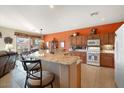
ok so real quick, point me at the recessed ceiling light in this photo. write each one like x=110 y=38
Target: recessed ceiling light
x=94 y=14
x=51 y=6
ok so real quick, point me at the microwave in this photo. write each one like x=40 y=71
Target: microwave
x=94 y=42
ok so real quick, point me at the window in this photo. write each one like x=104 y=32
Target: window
x=22 y=44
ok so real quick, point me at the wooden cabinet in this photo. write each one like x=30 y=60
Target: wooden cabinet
x=104 y=39
x=74 y=53
x=78 y=41
x=108 y=38
x=94 y=36
x=84 y=41
x=73 y=41
x=107 y=60
x=82 y=55
x=111 y=38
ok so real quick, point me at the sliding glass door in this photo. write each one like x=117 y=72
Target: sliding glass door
x=27 y=44
x=23 y=44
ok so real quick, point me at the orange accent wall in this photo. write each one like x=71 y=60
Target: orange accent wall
x=64 y=36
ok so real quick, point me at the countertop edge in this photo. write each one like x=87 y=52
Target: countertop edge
x=63 y=63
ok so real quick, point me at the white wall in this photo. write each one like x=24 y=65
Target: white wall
x=5 y=33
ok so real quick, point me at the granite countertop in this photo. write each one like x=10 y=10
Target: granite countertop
x=60 y=58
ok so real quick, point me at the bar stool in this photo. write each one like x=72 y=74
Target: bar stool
x=39 y=79
x=33 y=66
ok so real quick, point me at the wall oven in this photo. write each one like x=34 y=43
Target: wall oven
x=93 y=42
x=93 y=52
x=93 y=56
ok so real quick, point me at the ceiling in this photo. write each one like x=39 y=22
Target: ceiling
x=32 y=18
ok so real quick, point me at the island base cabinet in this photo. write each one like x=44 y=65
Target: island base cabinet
x=70 y=76
x=53 y=68
x=66 y=76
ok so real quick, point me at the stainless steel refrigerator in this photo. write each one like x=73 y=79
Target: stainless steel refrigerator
x=119 y=57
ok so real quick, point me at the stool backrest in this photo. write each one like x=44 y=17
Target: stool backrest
x=29 y=74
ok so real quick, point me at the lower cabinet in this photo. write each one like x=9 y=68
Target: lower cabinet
x=82 y=55
x=107 y=60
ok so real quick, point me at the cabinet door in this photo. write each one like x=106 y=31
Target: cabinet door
x=107 y=60
x=70 y=41
x=83 y=57
x=84 y=40
x=93 y=36
x=73 y=41
x=111 y=38
x=104 y=39
x=108 y=38
x=79 y=41
x=96 y=36
x=90 y=37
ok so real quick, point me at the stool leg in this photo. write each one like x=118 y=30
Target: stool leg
x=26 y=81
x=51 y=85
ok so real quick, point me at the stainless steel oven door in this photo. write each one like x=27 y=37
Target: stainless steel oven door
x=93 y=58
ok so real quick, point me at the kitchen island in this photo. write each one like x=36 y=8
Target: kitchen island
x=67 y=69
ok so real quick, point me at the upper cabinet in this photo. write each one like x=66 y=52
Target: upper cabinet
x=107 y=39
x=73 y=41
x=104 y=39
x=78 y=41
x=84 y=41
x=111 y=38
x=94 y=36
